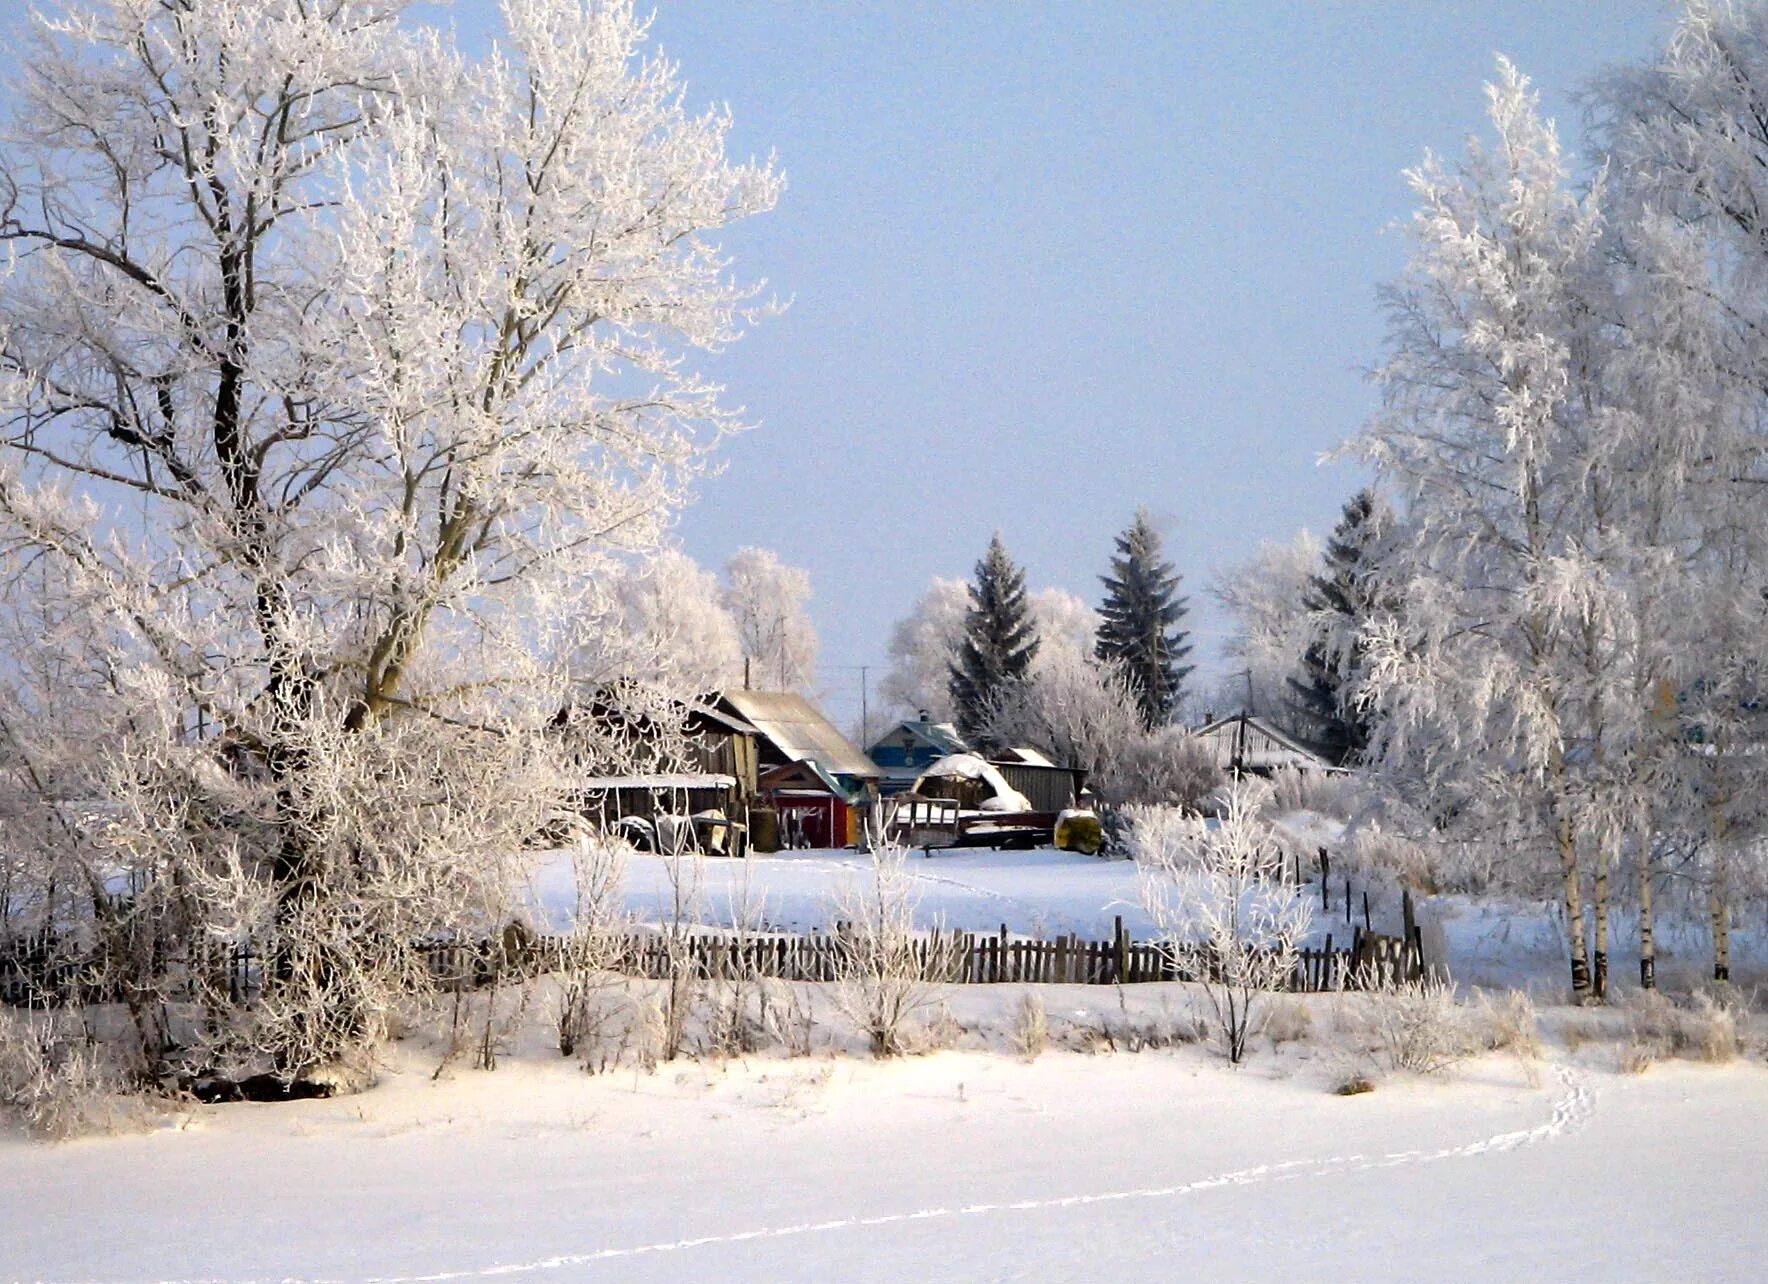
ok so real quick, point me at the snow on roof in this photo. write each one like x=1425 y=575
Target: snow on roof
x=680 y=781
x=967 y=766
x=1025 y=756
x=718 y=717
x=942 y=736
x=800 y=732
x=1288 y=751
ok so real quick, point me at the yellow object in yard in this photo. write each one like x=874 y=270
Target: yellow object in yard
x=1079 y=831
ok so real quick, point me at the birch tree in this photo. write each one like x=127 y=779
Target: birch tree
x=1492 y=433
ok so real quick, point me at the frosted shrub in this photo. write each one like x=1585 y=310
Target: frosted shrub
x=1031 y=1027
x=886 y=974
x=1509 y=1023
x=1417 y=1027
x=1703 y=1029
x=585 y=959
x=54 y=1079
x=1220 y=899
x=1295 y=790
x=1164 y=767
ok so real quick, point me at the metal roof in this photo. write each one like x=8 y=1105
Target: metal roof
x=799 y=731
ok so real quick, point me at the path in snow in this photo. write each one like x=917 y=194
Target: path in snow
x=1571 y=1111
x=959 y=1167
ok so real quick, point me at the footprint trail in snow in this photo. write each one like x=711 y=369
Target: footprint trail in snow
x=1571 y=1111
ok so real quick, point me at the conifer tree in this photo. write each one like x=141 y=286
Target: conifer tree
x=1138 y=629
x=1339 y=598
x=998 y=644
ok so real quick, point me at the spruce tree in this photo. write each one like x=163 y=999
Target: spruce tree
x=1341 y=597
x=998 y=644
x=1138 y=629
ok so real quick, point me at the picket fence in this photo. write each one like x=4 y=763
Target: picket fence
x=35 y=972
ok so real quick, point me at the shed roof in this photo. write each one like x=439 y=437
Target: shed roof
x=800 y=731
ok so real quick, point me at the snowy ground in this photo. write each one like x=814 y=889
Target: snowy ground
x=1040 y=892
x=963 y=1165
x=958 y=1166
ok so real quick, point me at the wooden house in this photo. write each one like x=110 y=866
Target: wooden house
x=819 y=786
x=909 y=748
x=1047 y=785
x=695 y=777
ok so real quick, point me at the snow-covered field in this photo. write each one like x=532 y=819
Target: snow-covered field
x=959 y=1166
x=963 y=1165
x=1040 y=892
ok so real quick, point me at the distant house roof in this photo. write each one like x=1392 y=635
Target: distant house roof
x=940 y=736
x=799 y=732
x=1266 y=748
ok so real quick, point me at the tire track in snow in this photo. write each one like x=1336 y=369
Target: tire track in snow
x=1572 y=1110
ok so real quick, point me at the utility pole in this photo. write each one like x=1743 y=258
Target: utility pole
x=865 y=716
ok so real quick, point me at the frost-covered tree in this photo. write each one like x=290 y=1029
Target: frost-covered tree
x=336 y=371
x=1270 y=627
x=1139 y=625
x=675 y=630
x=999 y=641
x=1490 y=673
x=923 y=648
x=1079 y=710
x=1339 y=599
x=770 y=603
x=1062 y=621
x=1225 y=908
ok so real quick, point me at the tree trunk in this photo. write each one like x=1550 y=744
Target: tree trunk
x=1605 y=845
x=1647 y=924
x=1573 y=892
x=1721 y=910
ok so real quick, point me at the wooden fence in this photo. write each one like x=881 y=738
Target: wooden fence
x=33 y=973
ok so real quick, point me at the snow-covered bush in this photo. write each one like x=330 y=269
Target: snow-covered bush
x=582 y=1002
x=887 y=972
x=1415 y=1027
x=1702 y=1028
x=1218 y=894
x=1031 y=1026
x=1165 y=767
x=56 y=1080
x=1509 y=1023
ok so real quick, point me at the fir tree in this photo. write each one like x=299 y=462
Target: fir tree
x=998 y=644
x=1138 y=629
x=1340 y=597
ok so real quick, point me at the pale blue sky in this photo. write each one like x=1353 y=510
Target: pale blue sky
x=1052 y=261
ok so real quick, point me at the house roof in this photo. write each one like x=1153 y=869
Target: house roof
x=718 y=717
x=942 y=736
x=1288 y=750
x=799 y=731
